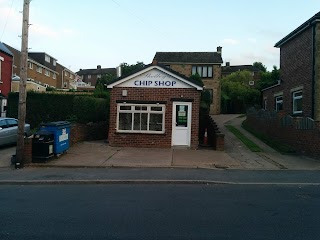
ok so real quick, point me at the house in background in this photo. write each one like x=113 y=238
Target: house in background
x=298 y=92
x=66 y=77
x=91 y=76
x=228 y=69
x=6 y=62
x=206 y=64
x=43 y=71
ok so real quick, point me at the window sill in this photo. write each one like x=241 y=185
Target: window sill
x=298 y=114
x=141 y=133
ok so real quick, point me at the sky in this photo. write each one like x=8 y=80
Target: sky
x=84 y=34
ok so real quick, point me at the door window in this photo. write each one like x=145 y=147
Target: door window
x=181 y=115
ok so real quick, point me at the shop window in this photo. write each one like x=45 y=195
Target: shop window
x=279 y=103
x=203 y=71
x=137 y=118
x=297 y=102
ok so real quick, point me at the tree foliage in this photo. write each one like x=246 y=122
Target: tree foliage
x=268 y=79
x=127 y=69
x=236 y=89
x=260 y=66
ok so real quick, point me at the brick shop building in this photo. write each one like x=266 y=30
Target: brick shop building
x=154 y=107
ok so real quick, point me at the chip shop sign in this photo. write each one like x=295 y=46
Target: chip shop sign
x=154 y=79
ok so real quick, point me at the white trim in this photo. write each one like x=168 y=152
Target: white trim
x=150 y=68
x=40 y=65
x=148 y=111
x=294 y=99
x=296 y=89
x=1 y=58
x=278 y=94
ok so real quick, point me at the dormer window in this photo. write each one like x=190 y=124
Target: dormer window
x=47 y=58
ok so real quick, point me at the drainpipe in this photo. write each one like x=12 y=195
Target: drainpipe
x=313 y=70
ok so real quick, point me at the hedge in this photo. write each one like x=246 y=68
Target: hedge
x=48 y=107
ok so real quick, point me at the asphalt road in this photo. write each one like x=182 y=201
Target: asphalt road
x=159 y=212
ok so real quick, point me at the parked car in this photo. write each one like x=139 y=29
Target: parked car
x=9 y=130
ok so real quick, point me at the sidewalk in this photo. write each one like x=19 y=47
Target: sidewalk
x=98 y=154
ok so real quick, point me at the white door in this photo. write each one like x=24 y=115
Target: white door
x=181 y=123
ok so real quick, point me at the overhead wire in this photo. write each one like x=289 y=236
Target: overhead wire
x=5 y=25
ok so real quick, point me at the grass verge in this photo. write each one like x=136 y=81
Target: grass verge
x=280 y=147
x=251 y=145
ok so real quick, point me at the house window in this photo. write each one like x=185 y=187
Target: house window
x=30 y=64
x=39 y=69
x=140 y=118
x=99 y=76
x=54 y=76
x=47 y=73
x=66 y=74
x=297 y=102
x=54 y=62
x=89 y=76
x=71 y=76
x=265 y=103
x=47 y=58
x=203 y=71
x=279 y=103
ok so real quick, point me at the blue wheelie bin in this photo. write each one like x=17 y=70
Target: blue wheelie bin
x=61 y=132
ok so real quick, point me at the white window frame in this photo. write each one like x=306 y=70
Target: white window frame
x=39 y=69
x=294 y=101
x=148 y=111
x=265 y=103
x=71 y=76
x=47 y=73
x=278 y=100
x=54 y=62
x=54 y=76
x=89 y=76
x=65 y=74
x=47 y=58
x=30 y=65
x=200 y=70
x=99 y=76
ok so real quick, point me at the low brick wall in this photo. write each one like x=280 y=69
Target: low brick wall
x=215 y=137
x=302 y=134
x=88 y=132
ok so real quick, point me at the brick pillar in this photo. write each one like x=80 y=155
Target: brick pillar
x=27 y=155
x=219 y=142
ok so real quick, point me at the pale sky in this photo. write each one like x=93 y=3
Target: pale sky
x=84 y=34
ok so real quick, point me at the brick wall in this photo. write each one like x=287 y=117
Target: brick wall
x=6 y=73
x=317 y=72
x=296 y=59
x=152 y=94
x=305 y=141
x=88 y=132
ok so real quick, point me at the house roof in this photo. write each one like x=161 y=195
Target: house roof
x=188 y=57
x=305 y=25
x=5 y=50
x=235 y=68
x=181 y=76
x=97 y=71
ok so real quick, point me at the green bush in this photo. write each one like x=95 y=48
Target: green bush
x=48 y=107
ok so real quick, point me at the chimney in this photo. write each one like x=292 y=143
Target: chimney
x=99 y=67
x=227 y=64
x=118 y=70
x=219 y=50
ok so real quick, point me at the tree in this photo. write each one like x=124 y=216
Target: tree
x=268 y=79
x=127 y=69
x=237 y=94
x=101 y=86
x=259 y=65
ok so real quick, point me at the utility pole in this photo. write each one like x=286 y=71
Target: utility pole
x=22 y=84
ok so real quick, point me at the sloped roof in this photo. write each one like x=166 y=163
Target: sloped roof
x=188 y=57
x=235 y=68
x=97 y=71
x=4 y=49
x=299 y=29
x=194 y=82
